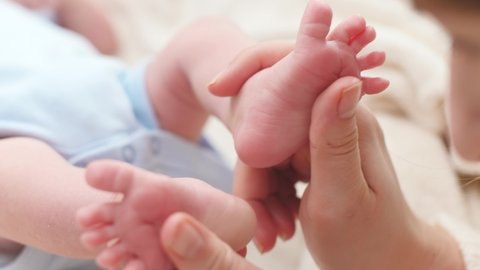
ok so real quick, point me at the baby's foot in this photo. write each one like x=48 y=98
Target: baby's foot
x=271 y=116
x=130 y=227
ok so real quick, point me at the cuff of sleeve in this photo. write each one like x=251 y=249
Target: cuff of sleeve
x=136 y=89
x=468 y=240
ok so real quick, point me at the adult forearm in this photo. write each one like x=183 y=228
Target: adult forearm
x=39 y=194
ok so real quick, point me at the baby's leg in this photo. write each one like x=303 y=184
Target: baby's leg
x=178 y=77
x=272 y=111
x=131 y=227
x=270 y=117
x=82 y=16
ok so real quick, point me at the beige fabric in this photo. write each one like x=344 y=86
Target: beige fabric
x=411 y=111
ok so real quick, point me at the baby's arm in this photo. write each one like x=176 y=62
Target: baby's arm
x=178 y=77
x=39 y=195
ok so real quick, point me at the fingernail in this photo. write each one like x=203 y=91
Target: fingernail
x=349 y=101
x=187 y=241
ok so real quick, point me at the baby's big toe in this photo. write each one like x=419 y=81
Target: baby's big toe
x=316 y=21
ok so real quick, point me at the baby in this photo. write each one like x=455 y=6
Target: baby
x=273 y=108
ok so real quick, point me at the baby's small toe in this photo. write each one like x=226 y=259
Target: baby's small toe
x=92 y=215
x=113 y=176
x=95 y=238
x=316 y=21
x=362 y=40
x=135 y=264
x=113 y=256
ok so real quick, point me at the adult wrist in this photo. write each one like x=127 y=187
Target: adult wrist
x=447 y=253
x=434 y=249
x=428 y=247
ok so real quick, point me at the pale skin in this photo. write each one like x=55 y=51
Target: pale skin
x=354 y=204
x=251 y=117
x=430 y=247
x=341 y=205
x=177 y=85
x=55 y=230
x=148 y=199
x=271 y=191
x=254 y=116
x=353 y=213
x=305 y=73
x=190 y=245
x=77 y=16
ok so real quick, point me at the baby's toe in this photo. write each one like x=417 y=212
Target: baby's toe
x=136 y=264
x=315 y=22
x=93 y=215
x=359 y=42
x=98 y=237
x=348 y=30
x=113 y=256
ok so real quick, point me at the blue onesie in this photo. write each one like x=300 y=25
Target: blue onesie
x=55 y=87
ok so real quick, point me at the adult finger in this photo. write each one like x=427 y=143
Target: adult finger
x=335 y=156
x=255 y=186
x=248 y=62
x=191 y=246
x=347 y=151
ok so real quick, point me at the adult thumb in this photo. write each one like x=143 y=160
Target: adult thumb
x=191 y=246
x=250 y=61
x=334 y=142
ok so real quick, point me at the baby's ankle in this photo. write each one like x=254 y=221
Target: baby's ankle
x=173 y=101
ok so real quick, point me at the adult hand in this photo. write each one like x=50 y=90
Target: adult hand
x=191 y=246
x=248 y=62
x=272 y=195
x=353 y=213
x=271 y=191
